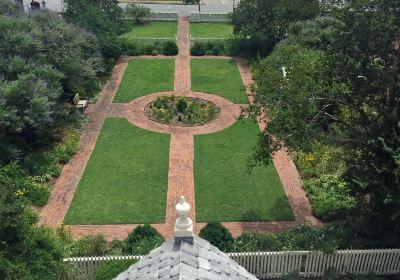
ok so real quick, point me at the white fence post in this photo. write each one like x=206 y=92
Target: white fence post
x=268 y=265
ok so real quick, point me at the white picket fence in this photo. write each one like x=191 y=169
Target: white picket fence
x=214 y=17
x=85 y=268
x=162 y=16
x=267 y=265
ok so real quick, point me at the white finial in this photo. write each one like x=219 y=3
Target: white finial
x=183 y=224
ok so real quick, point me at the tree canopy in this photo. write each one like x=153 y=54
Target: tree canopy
x=102 y=17
x=266 y=22
x=44 y=62
x=342 y=90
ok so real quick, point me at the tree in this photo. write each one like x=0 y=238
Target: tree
x=348 y=97
x=138 y=13
x=266 y=22
x=73 y=51
x=315 y=34
x=102 y=17
x=193 y=2
x=43 y=62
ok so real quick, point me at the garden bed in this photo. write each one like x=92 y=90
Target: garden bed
x=181 y=110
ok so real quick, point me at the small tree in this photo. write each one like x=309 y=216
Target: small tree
x=192 y=2
x=138 y=13
x=217 y=235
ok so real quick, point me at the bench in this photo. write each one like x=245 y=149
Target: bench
x=79 y=102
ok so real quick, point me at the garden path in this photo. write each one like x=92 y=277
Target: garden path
x=180 y=176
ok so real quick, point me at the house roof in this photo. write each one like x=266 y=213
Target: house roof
x=186 y=259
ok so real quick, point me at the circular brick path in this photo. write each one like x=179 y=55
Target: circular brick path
x=135 y=113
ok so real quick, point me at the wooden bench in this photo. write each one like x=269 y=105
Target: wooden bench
x=79 y=102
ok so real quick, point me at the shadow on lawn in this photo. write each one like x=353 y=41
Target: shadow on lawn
x=281 y=211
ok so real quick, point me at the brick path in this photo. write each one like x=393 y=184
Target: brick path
x=182 y=62
x=63 y=191
x=180 y=176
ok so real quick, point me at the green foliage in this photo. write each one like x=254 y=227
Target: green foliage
x=294 y=114
x=316 y=34
x=320 y=160
x=79 y=58
x=347 y=97
x=91 y=245
x=182 y=110
x=45 y=165
x=142 y=240
x=302 y=237
x=141 y=47
x=102 y=17
x=266 y=22
x=27 y=252
x=198 y=49
x=217 y=235
x=210 y=48
x=294 y=275
x=330 y=197
x=138 y=13
x=170 y=48
x=255 y=241
x=44 y=61
x=67 y=148
x=38 y=193
x=111 y=269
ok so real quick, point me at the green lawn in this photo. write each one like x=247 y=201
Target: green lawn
x=152 y=30
x=220 y=77
x=225 y=192
x=144 y=76
x=125 y=180
x=211 y=30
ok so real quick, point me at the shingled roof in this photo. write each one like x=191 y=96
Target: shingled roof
x=185 y=261
x=187 y=257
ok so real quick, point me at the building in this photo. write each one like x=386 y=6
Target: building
x=186 y=257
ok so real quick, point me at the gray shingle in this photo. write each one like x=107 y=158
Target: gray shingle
x=185 y=261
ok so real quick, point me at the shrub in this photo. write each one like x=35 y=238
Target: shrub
x=170 y=48
x=111 y=269
x=38 y=193
x=330 y=197
x=255 y=241
x=42 y=164
x=67 y=148
x=181 y=105
x=92 y=245
x=198 y=49
x=138 y=13
x=142 y=240
x=116 y=247
x=217 y=235
x=321 y=160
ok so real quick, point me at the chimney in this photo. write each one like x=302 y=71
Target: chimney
x=183 y=224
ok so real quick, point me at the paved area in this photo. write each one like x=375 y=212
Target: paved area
x=180 y=176
x=209 y=6
x=182 y=62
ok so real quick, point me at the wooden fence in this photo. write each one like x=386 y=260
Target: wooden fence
x=215 y=17
x=267 y=265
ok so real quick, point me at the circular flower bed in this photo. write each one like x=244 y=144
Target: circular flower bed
x=181 y=110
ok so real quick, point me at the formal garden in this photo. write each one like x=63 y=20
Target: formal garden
x=283 y=125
